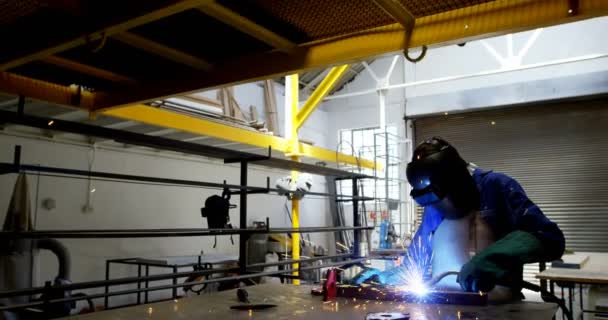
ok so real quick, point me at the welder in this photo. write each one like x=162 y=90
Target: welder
x=478 y=223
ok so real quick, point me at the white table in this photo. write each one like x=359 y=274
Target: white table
x=594 y=272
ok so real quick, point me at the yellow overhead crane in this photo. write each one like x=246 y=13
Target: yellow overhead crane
x=320 y=39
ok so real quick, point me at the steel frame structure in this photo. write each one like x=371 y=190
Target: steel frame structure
x=455 y=26
x=242 y=189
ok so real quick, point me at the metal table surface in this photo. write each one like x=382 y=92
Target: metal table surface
x=296 y=302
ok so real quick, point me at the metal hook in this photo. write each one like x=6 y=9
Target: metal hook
x=417 y=59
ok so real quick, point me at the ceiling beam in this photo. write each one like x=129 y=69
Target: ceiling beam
x=71 y=96
x=452 y=27
x=394 y=9
x=88 y=70
x=171 y=9
x=168 y=119
x=315 y=80
x=75 y=115
x=237 y=21
x=162 y=50
x=319 y=94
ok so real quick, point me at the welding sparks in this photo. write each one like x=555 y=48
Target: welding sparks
x=416 y=264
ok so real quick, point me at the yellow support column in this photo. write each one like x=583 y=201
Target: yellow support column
x=295 y=204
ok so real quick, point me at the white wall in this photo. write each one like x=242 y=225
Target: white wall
x=137 y=206
x=552 y=82
x=314 y=129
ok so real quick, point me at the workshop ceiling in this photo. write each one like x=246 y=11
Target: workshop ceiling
x=100 y=54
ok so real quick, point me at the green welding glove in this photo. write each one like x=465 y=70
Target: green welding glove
x=501 y=263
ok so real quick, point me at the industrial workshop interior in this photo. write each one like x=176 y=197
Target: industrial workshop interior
x=304 y=159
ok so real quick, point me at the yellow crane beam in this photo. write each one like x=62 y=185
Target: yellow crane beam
x=168 y=119
x=70 y=96
x=334 y=75
x=451 y=27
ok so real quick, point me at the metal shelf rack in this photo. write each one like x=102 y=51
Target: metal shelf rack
x=242 y=189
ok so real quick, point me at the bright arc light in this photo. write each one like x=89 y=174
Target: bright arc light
x=418 y=288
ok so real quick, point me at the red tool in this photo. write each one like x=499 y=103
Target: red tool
x=330 y=286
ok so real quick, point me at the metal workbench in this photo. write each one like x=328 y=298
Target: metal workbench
x=174 y=263
x=296 y=302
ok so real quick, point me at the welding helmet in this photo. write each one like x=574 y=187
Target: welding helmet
x=437 y=171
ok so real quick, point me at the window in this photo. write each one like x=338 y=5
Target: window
x=374 y=143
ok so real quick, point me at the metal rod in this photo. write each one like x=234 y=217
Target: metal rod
x=243 y=220
x=467 y=76
x=152 y=233
x=147 y=284
x=175 y=282
x=138 y=283
x=165 y=287
x=356 y=221
x=107 y=288
x=157 y=277
x=126 y=177
x=21 y=105
x=581 y=301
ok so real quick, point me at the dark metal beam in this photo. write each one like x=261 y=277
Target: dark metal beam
x=168 y=10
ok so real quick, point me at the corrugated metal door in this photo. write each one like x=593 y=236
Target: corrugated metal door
x=558 y=152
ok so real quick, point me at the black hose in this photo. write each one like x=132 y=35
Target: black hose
x=62 y=253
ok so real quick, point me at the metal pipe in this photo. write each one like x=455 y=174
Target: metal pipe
x=467 y=76
x=62 y=254
x=152 y=233
x=243 y=220
x=127 y=177
x=356 y=221
x=157 y=277
x=165 y=287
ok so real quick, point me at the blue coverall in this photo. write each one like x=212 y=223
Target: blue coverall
x=505 y=207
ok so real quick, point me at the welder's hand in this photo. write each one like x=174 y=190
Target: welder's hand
x=501 y=263
x=365 y=276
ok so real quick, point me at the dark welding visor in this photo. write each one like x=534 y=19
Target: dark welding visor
x=430 y=176
x=426 y=196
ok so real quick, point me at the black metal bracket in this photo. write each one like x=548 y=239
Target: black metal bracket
x=15 y=167
x=250 y=158
x=250 y=190
x=573 y=7
x=21 y=105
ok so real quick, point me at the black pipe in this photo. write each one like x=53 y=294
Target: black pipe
x=62 y=254
x=165 y=287
x=356 y=220
x=155 y=233
x=16 y=167
x=243 y=220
